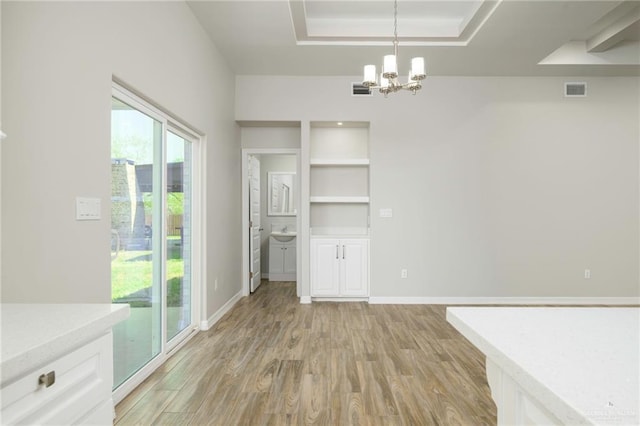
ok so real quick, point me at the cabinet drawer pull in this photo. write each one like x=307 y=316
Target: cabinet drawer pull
x=343 y=251
x=337 y=250
x=47 y=379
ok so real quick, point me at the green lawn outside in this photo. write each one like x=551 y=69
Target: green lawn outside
x=131 y=273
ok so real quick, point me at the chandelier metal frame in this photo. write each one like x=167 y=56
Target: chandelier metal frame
x=389 y=82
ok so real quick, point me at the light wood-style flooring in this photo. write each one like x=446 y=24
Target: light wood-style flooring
x=273 y=361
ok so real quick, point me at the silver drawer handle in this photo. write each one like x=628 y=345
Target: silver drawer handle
x=47 y=379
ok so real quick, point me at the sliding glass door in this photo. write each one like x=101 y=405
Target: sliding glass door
x=179 y=247
x=151 y=229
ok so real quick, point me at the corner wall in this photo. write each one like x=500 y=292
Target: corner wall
x=500 y=187
x=58 y=61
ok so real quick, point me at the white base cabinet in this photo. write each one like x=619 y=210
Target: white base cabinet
x=80 y=391
x=339 y=267
x=57 y=363
x=282 y=260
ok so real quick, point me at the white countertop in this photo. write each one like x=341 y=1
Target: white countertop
x=582 y=364
x=34 y=334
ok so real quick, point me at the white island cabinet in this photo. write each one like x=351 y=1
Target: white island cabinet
x=57 y=363
x=558 y=366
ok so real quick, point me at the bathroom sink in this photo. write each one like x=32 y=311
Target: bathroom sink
x=283 y=237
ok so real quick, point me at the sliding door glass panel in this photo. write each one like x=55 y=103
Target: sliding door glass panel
x=178 y=213
x=136 y=246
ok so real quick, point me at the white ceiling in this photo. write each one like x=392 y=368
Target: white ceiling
x=456 y=37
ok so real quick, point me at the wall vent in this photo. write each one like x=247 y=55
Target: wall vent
x=358 y=89
x=575 y=90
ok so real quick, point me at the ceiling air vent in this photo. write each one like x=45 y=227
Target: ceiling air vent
x=575 y=90
x=359 y=89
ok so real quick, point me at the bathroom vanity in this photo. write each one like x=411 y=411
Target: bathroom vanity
x=57 y=363
x=282 y=256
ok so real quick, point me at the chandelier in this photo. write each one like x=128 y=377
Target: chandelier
x=389 y=82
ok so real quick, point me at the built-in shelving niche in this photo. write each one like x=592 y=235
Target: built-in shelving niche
x=339 y=178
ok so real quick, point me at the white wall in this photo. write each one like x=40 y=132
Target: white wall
x=58 y=60
x=500 y=187
x=261 y=137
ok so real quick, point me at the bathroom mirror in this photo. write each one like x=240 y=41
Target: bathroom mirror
x=281 y=193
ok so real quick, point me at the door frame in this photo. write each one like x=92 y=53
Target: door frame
x=125 y=93
x=246 y=152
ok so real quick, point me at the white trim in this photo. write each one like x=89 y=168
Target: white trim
x=305 y=300
x=339 y=299
x=339 y=199
x=206 y=325
x=282 y=277
x=505 y=300
x=171 y=123
x=322 y=162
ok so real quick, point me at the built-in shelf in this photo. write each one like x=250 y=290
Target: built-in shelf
x=341 y=199
x=339 y=179
x=339 y=162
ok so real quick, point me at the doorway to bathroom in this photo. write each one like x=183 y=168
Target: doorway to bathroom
x=270 y=209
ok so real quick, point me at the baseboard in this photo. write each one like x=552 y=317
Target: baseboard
x=305 y=300
x=505 y=300
x=206 y=325
x=281 y=277
x=340 y=299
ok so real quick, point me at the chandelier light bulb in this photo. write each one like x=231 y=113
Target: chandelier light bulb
x=417 y=69
x=390 y=67
x=384 y=82
x=369 y=75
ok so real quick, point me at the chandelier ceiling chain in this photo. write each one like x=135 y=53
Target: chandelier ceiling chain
x=389 y=77
x=395 y=21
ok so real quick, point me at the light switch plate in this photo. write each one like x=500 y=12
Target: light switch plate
x=87 y=208
x=386 y=212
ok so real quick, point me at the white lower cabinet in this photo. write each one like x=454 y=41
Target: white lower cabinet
x=339 y=267
x=78 y=390
x=282 y=260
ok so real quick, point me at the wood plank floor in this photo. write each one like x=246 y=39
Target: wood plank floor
x=273 y=361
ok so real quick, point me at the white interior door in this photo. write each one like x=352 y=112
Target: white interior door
x=254 y=221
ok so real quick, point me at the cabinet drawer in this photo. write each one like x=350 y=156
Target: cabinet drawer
x=83 y=380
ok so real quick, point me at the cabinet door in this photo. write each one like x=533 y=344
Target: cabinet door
x=276 y=253
x=354 y=267
x=289 y=258
x=324 y=267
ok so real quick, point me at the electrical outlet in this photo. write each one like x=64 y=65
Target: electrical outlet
x=587 y=274
x=403 y=273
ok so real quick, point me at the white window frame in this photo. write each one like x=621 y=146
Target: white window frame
x=170 y=123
